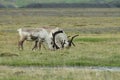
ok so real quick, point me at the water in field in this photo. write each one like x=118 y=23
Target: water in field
x=64 y=73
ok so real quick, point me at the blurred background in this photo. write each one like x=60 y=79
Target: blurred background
x=59 y=3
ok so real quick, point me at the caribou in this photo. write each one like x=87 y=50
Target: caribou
x=61 y=40
x=34 y=34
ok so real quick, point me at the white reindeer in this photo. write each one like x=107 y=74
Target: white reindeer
x=60 y=39
x=34 y=34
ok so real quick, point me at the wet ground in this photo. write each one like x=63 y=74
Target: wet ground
x=96 y=68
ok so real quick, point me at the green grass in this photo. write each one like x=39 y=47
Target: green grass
x=95 y=39
x=88 y=52
x=98 y=44
x=92 y=49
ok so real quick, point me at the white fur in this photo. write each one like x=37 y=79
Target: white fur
x=60 y=38
x=41 y=33
x=45 y=36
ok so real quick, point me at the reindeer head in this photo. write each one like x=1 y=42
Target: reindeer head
x=64 y=42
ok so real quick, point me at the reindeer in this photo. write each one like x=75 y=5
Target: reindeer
x=60 y=39
x=34 y=34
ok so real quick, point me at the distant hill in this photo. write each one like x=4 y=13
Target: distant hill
x=58 y=3
x=2 y=6
x=71 y=5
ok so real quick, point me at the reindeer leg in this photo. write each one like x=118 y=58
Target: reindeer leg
x=62 y=43
x=44 y=46
x=20 y=44
x=40 y=45
x=35 y=46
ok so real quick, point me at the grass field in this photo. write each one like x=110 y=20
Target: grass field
x=98 y=43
